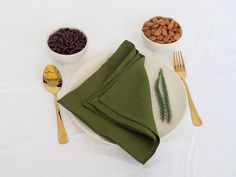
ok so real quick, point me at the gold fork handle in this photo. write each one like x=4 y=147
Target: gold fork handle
x=195 y=116
x=62 y=135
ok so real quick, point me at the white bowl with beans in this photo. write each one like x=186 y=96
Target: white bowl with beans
x=69 y=46
x=162 y=34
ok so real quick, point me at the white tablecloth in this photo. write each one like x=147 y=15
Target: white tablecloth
x=28 y=143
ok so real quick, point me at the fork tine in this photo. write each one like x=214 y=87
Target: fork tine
x=179 y=60
x=182 y=59
x=174 y=60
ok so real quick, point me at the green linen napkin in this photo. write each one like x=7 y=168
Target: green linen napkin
x=116 y=103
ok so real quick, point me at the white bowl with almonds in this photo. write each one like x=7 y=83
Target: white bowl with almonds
x=162 y=33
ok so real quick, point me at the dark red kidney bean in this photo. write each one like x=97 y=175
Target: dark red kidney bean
x=67 y=43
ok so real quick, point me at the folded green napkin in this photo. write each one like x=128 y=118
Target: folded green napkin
x=116 y=103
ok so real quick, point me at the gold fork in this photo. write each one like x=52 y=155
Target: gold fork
x=179 y=67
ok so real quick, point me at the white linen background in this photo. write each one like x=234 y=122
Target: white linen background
x=28 y=144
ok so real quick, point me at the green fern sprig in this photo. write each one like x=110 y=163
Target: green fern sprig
x=167 y=106
x=159 y=97
x=163 y=99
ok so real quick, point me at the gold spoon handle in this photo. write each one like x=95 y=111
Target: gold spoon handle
x=195 y=116
x=62 y=135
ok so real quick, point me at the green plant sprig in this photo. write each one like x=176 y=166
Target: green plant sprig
x=159 y=98
x=163 y=99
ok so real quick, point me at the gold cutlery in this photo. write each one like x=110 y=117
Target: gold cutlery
x=52 y=82
x=179 y=68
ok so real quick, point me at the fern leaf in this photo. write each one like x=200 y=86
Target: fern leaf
x=159 y=97
x=166 y=99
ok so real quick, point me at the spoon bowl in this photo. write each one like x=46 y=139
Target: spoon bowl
x=52 y=79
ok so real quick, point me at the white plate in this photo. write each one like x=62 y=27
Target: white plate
x=176 y=92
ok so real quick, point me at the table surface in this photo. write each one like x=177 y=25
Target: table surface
x=28 y=144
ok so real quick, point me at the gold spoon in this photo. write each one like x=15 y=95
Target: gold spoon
x=52 y=81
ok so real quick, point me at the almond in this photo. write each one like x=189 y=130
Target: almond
x=172 y=38
x=175 y=29
x=158 y=21
x=158 y=32
x=148 y=23
x=164 y=32
x=166 y=38
x=167 y=21
x=176 y=36
x=163 y=23
x=170 y=26
x=171 y=33
x=159 y=38
x=154 y=19
x=145 y=28
x=155 y=26
x=153 y=38
x=176 y=24
x=170 y=41
x=160 y=42
x=153 y=32
x=147 y=33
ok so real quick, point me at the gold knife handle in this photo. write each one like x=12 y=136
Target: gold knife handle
x=195 y=116
x=62 y=135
